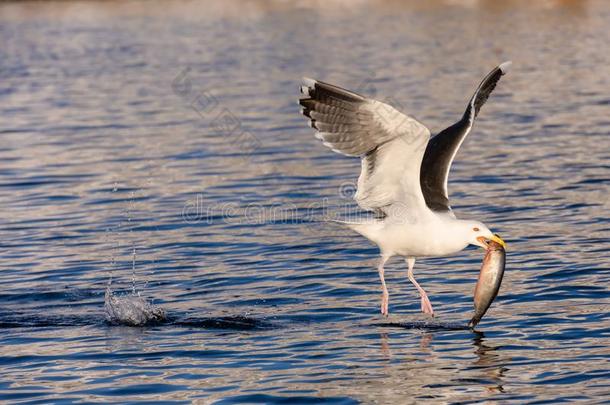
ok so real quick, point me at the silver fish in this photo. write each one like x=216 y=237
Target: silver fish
x=490 y=278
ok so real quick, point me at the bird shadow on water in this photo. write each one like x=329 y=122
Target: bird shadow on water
x=426 y=325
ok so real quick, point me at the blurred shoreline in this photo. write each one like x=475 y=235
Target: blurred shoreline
x=252 y=8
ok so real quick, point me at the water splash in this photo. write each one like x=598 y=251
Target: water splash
x=131 y=309
x=133 y=271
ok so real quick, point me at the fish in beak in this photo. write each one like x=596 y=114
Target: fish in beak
x=495 y=238
x=490 y=278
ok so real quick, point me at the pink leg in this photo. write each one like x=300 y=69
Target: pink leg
x=426 y=306
x=385 y=296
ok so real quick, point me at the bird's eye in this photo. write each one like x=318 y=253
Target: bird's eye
x=475 y=229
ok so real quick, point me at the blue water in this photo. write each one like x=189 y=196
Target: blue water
x=172 y=128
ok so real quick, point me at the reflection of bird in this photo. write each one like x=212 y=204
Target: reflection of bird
x=490 y=362
x=404 y=173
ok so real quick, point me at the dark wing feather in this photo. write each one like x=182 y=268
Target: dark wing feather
x=442 y=148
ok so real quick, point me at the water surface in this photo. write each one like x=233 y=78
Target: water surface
x=172 y=128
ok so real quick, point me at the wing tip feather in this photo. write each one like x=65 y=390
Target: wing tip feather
x=309 y=82
x=505 y=67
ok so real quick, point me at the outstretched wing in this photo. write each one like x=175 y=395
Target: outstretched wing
x=442 y=148
x=390 y=144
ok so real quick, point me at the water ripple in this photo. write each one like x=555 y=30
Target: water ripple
x=172 y=129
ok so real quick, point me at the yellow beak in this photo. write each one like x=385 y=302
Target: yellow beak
x=496 y=238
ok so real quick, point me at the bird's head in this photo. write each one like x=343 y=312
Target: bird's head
x=480 y=235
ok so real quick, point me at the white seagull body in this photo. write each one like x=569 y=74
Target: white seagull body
x=404 y=173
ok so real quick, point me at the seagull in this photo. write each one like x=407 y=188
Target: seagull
x=404 y=173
